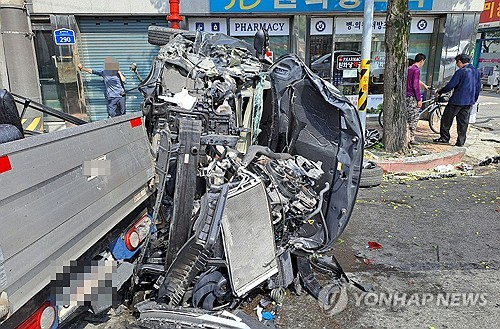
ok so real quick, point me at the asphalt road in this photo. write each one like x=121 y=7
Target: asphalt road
x=440 y=246
x=439 y=257
x=488 y=115
x=438 y=237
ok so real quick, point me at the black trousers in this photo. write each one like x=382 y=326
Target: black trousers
x=462 y=112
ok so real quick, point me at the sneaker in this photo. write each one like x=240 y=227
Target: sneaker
x=440 y=141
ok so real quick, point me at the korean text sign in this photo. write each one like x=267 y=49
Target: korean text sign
x=491 y=11
x=273 y=6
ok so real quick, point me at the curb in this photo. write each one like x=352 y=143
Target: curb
x=424 y=162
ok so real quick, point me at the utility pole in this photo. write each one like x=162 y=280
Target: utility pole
x=18 y=67
x=366 y=49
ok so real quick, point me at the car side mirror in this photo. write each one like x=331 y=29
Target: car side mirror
x=133 y=68
x=261 y=43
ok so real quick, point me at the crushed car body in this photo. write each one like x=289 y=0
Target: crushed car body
x=258 y=167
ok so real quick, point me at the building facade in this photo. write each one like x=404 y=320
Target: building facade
x=313 y=29
x=487 y=54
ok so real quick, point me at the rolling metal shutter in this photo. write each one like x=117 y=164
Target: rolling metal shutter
x=124 y=39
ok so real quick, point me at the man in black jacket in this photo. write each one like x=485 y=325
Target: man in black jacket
x=466 y=84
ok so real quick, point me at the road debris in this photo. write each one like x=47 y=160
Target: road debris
x=490 y=160
x=374 y=245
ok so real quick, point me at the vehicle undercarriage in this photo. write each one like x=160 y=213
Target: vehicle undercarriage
x=258 y=167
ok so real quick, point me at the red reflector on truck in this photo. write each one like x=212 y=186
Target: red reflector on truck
x=45 y=317
x=5 y=164
x=136 y=122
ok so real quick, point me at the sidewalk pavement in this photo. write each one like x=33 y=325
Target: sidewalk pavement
x=426 y=155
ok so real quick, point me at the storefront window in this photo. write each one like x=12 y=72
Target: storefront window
x=489 y=57
x=420 y=43
x=278 y=28
x=45 y=54
x=343 y=69
x=343 y=65
x=277 y=44
x=57 y=72
x=320 y=45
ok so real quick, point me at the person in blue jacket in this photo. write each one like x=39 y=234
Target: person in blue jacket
x=114 y=82
x=466 y=84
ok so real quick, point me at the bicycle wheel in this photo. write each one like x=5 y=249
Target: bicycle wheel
x=381 y=118
x=435 y=118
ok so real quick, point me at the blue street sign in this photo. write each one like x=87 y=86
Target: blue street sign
x=64 y=37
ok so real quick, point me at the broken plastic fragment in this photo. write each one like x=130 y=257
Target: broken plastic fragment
x=489 y=160
x=182 y=98
x=444 y=168
x=259 y=312
x=267 y=315
x=374 y=245
x=368 y=261
x=225 y=108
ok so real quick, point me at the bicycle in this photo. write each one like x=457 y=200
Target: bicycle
x=435 y=108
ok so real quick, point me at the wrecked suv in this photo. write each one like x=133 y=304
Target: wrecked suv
x=258 y=167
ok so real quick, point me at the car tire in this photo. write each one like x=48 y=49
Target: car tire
x=160 y=36
x=371 y=175
x=9 y=133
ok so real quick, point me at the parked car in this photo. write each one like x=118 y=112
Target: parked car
x=323 y=66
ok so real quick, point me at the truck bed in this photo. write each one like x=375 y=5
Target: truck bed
x=51 y=212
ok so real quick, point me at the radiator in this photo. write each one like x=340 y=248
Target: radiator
x=249 y=238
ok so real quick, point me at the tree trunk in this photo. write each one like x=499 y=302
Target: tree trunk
x=396 y=52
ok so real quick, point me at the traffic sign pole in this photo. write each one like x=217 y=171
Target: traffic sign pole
x=366 y=47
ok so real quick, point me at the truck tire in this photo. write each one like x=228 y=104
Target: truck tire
x=371 y=175
x=9 y=133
